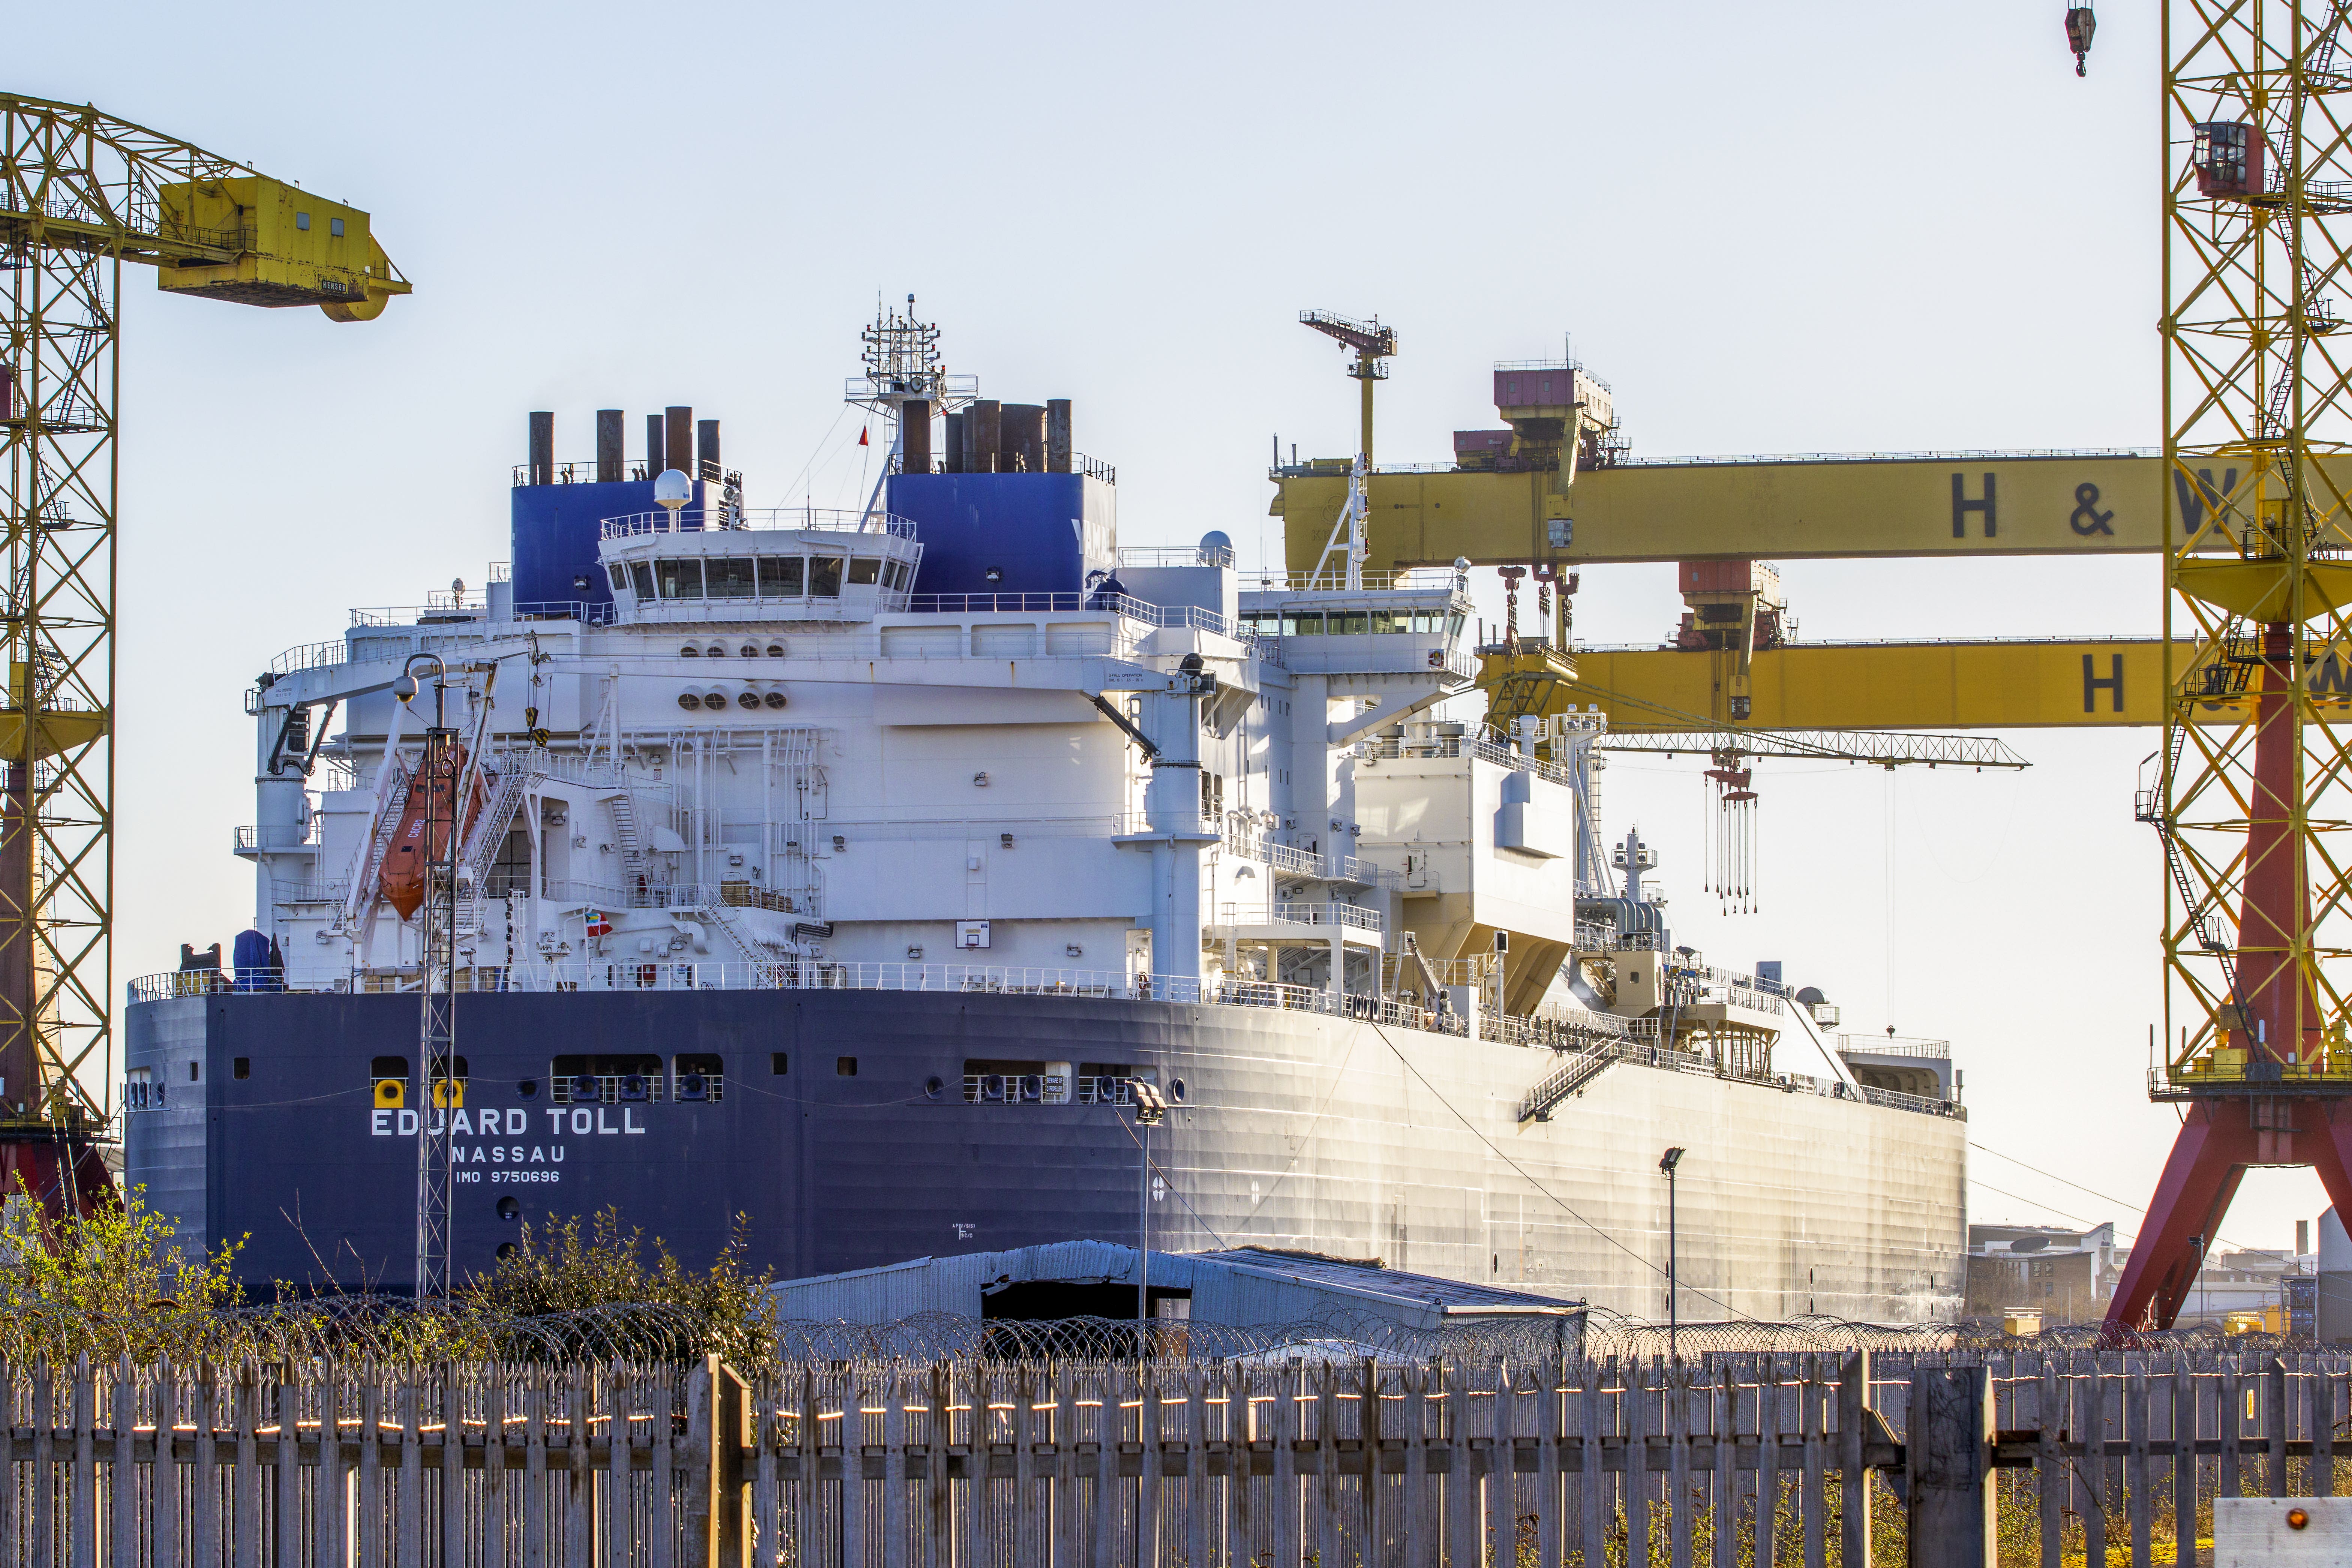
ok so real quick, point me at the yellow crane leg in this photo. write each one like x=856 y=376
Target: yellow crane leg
x=1907 y=686
x=1764 y=510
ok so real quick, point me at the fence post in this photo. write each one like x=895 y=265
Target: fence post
x=716 y=1532
x=1854 y=1401
x=1947 y=1450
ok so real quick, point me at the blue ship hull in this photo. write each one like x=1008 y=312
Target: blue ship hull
x=841 y=1135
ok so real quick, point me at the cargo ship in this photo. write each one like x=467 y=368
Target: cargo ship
x=850 y=877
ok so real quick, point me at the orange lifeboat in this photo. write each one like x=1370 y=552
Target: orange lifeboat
x=422 y=837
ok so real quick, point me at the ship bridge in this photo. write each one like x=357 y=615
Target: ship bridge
x=798 y=563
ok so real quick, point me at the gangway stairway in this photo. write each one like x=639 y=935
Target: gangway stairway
x=1580 y=1069
x=625 y=829
x=489 y=834
x=361 y=893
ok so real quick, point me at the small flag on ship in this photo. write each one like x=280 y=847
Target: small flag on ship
x=597 y=924
x=862 y=440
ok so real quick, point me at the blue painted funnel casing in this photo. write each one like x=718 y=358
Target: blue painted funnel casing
x=555 y=530
x=1042 y=532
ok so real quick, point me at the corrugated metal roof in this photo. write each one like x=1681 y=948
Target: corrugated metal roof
x=1243 y=1287
x=1452 y=1295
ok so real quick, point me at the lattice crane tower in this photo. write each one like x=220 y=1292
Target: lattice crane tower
x=81 y=194
x=2254 y=815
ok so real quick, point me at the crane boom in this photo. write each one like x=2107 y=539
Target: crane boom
x=1829 y=506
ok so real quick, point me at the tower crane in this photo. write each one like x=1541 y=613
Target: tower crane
x=82 y=193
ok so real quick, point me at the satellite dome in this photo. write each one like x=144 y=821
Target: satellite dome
x=673 y=489
x=1216 y=547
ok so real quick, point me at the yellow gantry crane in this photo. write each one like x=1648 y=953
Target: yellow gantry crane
x=2252 y=679
x=82 y=193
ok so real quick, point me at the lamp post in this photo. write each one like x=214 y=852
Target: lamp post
x=1151 y=1105
x=1666 y=1162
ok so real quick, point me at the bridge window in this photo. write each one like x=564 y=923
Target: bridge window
x=1305 y=623
x=728 y=578
x=780 y=576
x=643 y=575
x=620 y=575
x=865 y=571
x=824 y=577
x=895 y=576
x=679 y=579
x=1348 y=623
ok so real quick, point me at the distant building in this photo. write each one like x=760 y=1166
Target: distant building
x=2067 y=1275
x=2333 y=1306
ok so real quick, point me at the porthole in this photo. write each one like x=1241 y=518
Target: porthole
x=775 y=650
x=689 y=700
x=775 y=700
x=690 y=652
x=509 y=1208
x=716 y=702
x=933 y=1086
x=747 y=700
x=716 y=650
x=749 y=650
x=1176 y=1089
x=527 y=1090
x=509 y=1249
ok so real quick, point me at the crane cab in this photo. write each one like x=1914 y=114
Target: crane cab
x=2231 y=158
x=264 y=242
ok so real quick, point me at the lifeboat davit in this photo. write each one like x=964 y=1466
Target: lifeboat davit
x=422 y=835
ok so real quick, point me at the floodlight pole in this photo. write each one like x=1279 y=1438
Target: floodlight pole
x=437 y=980
x=1149 y=1107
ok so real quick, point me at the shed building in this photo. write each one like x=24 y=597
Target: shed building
x=1244 y=1286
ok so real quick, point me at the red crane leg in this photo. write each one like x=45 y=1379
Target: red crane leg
x=2329 y=1144
x=2209 y=1159
x=64 y=1174
x=2276 y=911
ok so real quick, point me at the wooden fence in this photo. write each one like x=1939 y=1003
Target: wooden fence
x=974 y=1464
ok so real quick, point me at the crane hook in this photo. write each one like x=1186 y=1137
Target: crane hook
x=2080 y=26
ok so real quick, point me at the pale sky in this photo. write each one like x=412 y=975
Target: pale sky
x=1840 y=226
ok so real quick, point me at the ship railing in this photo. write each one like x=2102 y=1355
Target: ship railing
x=1487 y=748
x=1355 y=917
x=595 y=895
x=1092 y=468
x=1564 y=1031
x=1294 y=861
x=996 y=603
x=803 y=518
x=1892 y=1100
x=1895 y=1045
x=285 y=894
x=472 y=611
x=1148 y=555
x=1413 y=580
x=948 y=392
x=1048 y=1088
x=272 y=838
x=591 y=471
x=311 y=656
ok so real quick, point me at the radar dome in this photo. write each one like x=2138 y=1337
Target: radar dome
x=673 y=489
x=1216 y=547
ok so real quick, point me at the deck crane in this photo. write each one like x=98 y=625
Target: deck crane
x=1375 y=345
x=82 y=193
x=2246 y=503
